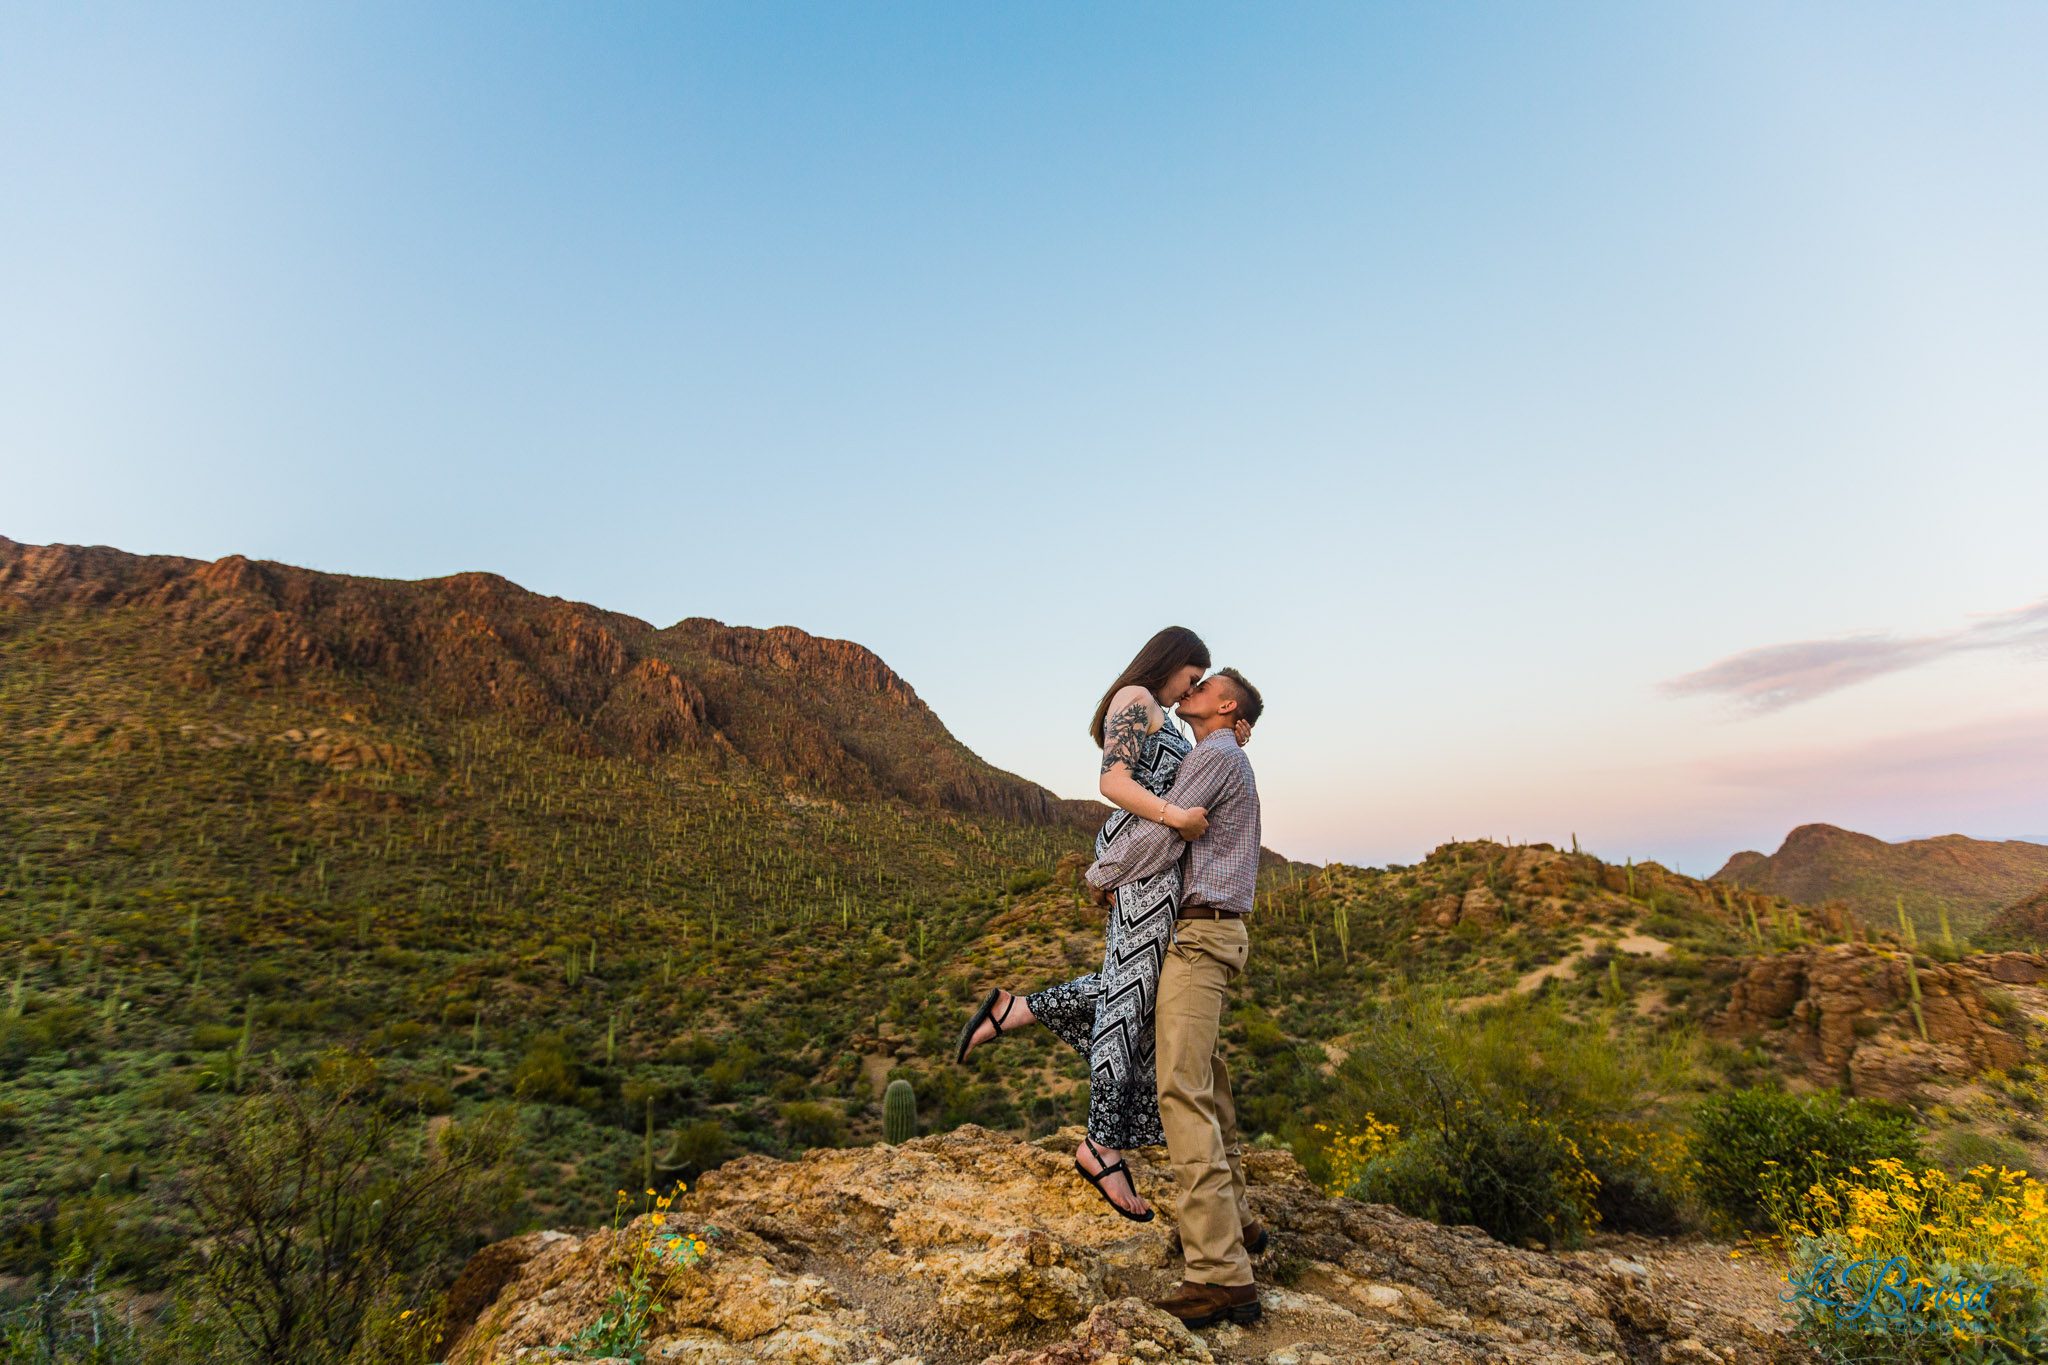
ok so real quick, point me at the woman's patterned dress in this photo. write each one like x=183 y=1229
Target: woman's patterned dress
x=1106 y=1016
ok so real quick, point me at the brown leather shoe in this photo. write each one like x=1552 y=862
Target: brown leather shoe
x=1201 y=1305
x=1255 y=1238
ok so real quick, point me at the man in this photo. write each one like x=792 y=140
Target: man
x=1209 y=948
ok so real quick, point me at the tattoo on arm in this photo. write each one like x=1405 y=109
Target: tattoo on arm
x=1123 y=737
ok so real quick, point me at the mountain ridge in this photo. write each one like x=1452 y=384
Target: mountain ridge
x=1969 y=879
x=807 y=709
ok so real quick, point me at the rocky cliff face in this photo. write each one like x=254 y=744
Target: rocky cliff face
x=1820 y=863
x=823 y=714
x=1844 y=1013
x=973 y=1247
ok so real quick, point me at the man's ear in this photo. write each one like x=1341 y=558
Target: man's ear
x=1226 y=706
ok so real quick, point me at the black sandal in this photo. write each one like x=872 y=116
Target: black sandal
x=980 y=1017
x=1105 y=1173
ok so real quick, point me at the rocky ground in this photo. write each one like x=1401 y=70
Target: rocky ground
x=975 y=1247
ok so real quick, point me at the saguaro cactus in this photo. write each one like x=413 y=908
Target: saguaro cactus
x=899 y=1113
x=241 y=1058
x=1913 y=985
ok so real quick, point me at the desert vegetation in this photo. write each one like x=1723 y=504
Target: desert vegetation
x=302 y=941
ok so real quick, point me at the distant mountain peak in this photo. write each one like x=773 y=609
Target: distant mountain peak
x=1969 y=878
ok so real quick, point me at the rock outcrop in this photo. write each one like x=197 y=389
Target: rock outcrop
x=2013 y=968
x=1846 y=1012
x=1486 y=886
x=971 y=1246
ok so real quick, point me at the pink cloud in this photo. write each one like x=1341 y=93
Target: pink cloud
x=1776 y=676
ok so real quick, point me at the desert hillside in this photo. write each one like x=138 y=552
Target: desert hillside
x=1970 y=878
x=825 y=714
x=637 y=904
x=2023 y=924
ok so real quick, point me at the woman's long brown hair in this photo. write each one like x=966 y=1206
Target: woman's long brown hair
x=1164 y=655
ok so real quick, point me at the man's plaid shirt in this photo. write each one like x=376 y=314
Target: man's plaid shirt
x=1221 y=867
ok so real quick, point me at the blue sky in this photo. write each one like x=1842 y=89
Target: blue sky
x=1490 y=382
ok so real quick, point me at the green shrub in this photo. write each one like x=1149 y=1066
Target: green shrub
x=403 y=1037
x=263 y=979
x=1961 y=1150
x=695 y=1049
x=1262 y=1037
x=696 y=1149
x=216 y=1037
x=1513 y=1117
x=1500 y=1167
x=41 y=1025
x=724 y=1077
x=2004 y=1011
x=1646 y=1176
x=320 y=1216
x=814 y=1125
x=425 y=1095
x=1024 y=883
x=1751 y=1145
x=1666 y=903
x=548 y=1074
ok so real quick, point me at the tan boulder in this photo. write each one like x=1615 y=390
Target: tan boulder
x=488 y=1272
x=1028 y=1275
x=734 y=1298
x=1126 y=1332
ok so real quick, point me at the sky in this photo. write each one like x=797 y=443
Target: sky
x=1611 y=421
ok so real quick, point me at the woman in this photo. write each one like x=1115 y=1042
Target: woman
x=1106 y=1016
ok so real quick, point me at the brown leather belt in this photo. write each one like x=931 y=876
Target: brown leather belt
x=1207 y=912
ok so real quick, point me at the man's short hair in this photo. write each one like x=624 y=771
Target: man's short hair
x=1249 y=704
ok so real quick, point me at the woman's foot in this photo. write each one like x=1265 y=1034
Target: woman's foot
x=1006 y=1013
x=1093 y=1158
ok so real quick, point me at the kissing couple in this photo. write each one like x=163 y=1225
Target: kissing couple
x=1176 y=867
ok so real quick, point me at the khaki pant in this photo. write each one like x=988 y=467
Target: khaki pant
x=1194 y=1098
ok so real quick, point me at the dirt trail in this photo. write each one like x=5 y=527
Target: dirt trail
x=1633 y=943
x=1563 y=967
x=1642 y=945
